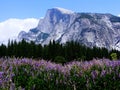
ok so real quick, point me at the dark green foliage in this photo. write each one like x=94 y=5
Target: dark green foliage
x=22 y=75
x=3 y=50
x=69 y=51
x=59 y=59
x=113 y=56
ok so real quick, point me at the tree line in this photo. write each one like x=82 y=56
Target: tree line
x=54 y=51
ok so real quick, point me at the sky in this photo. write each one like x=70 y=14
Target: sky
x=37 y=8
x=18 y=15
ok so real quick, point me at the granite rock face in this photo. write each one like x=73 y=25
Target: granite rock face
x=90 y=29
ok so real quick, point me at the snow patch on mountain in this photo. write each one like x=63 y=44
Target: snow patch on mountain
x=65 y=11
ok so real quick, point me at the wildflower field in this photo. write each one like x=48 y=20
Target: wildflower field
x=29 y=74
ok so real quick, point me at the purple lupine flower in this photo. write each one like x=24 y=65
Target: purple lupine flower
x=119 y=75
x=1 y=74
x=103 y=73
x=94 y=74
x=1 y=77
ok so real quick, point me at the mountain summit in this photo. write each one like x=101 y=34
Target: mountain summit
x=90 y=29
x=62 y=10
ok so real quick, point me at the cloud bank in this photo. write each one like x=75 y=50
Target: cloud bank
x=10 y=28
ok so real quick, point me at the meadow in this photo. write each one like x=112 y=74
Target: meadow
x=31 y=74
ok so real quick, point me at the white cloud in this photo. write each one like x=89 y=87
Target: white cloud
x=119 y=15
x=10 y=28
